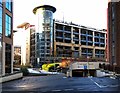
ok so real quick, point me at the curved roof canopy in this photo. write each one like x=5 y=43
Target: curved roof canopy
x=45 y=7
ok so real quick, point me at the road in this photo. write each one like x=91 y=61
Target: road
x=61 y=84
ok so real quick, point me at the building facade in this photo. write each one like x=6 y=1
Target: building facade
x=6 y=37
x=44 y=33
x=27 y=30
x=55 y=40
x=114 y=33
x=75 y=41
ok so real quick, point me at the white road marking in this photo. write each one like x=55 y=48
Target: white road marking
x=56 y=90
x=95 y=83
x=64 y=77
x=68 y=89
x=80 y=88
x=103 y=86
x=112 y=85
x=112 y=77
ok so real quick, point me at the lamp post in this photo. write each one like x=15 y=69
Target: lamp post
x=88 y=65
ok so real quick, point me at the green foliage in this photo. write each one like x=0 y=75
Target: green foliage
x=24 y=70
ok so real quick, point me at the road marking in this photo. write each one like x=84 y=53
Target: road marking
x=80 y=88
x=67 y=89
x=100 y=86
x=56 y=90
x=113 y=85
x=103 y=86
x=112 y=77
x=64 y=77
x=95 y=83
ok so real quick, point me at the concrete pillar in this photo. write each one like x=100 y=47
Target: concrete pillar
x=72 y=48
x=80 y=42
x=54 y=43
x=70 y=70
x=80 y=36
x=71 y=34
x=106 y=47
x=80 y=51
x=93 y=51
x=93 y=38
x=3 y=58
x=71 y=73
x=93 y=44
x=55 y=49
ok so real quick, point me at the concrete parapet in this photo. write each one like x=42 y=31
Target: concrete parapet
x=11 y=77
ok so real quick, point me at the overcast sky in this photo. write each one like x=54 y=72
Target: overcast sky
x=85 y=12
x=92 y=13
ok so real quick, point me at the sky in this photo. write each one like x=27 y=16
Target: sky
x=91 y=13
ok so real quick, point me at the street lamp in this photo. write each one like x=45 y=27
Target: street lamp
x=88 y=65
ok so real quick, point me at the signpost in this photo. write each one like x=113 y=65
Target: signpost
x=85 y=66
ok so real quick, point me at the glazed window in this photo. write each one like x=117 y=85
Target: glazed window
x=8 y=25
x=9 y=5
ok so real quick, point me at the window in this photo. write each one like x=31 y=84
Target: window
x=102 y=51
x=9 y=5
x=8 y=58
x=83 y=31
x=90 y=32
x=8 y=26
x=0 y=19
x=0 y=1
x=102 y=34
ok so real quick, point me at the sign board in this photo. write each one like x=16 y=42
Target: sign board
x=85 y=66
x=81 y=67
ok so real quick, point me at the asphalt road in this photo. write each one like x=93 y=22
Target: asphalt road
x=61 y=84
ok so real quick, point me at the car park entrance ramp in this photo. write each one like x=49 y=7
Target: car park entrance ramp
x=83 y=69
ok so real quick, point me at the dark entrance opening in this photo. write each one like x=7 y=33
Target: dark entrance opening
x=93 y=73
x=77 y=73
x=83 y=73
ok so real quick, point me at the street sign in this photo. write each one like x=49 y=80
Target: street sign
x=85 y=66
x=81 y=67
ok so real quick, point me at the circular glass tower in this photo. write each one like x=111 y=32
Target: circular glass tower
x=44 y=33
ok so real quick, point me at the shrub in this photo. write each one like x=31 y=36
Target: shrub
x=24 y=70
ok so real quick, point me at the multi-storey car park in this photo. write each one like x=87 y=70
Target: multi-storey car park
x=51 y=40
x=76 y=41
x=54 y=40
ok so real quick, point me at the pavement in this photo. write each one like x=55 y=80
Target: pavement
x=62 y=84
